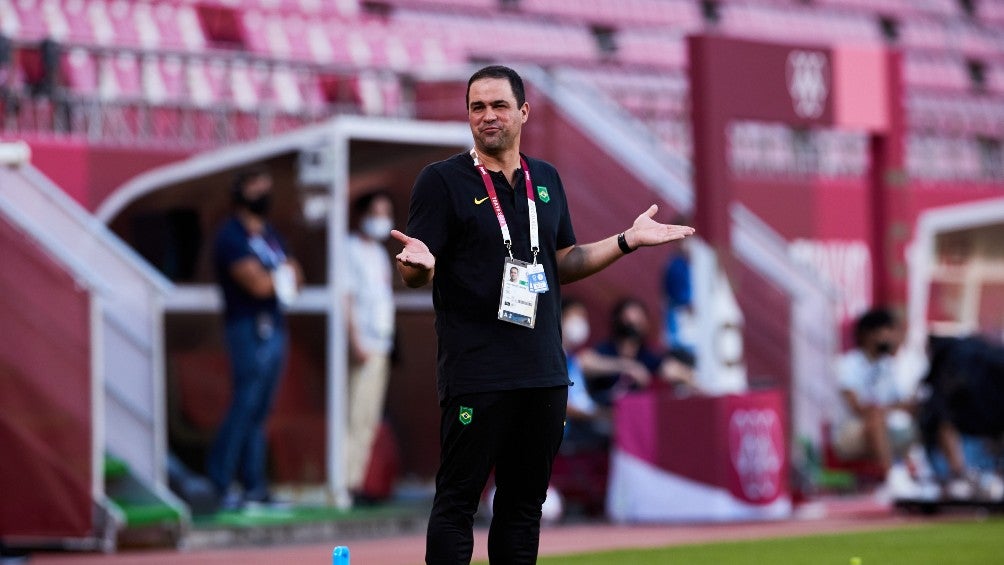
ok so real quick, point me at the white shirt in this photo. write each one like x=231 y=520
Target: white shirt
x=372 y=293
x=874 y=383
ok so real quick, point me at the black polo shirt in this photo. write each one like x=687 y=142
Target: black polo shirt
x=450 y=212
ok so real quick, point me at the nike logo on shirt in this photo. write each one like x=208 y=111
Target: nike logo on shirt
x=479 y=201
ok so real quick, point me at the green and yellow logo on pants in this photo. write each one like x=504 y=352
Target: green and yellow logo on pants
x=466 y=415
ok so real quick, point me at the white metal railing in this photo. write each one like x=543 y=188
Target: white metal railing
x=620 y=135
x=814 y=327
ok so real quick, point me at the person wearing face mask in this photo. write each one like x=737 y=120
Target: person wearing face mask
x=876 y=421
x=258 y=278
x=371 y=329
x=624 y=361
x=587 y=424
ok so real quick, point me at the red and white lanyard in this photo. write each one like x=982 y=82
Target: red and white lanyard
x=497 y=206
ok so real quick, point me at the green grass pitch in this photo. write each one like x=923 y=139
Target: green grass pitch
x=968 y=543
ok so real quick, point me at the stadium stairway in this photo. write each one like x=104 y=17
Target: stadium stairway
x=143 y=517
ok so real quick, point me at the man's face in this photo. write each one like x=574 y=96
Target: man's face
x=513 y=274
x=496 y=121
x=882 y=341
x=256 y=196
x=257 y=187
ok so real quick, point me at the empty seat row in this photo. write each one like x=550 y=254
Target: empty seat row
x=503 y=37
x=645 y=95
x=939 y=158
x=939 y=36
x=944 y=8
x=798 y=25
x=759 y=148
x=962 y=115
x=363 y=43
x=161 y=25
x=946 y=72
x=677 y=15
x=348 y=8
x=483 y=6
x=224 y=82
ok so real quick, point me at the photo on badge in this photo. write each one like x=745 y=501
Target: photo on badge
x=517 y=305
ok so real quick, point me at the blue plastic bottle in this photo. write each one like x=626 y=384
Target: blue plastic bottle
x=340 y=556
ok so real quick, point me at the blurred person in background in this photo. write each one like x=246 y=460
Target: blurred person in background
x=678 y=372
x=258 y=278
x=370 y=316
x=587 y=425
x=623 y=362
x=678 y=306
x=961 y=416
x=876 y=417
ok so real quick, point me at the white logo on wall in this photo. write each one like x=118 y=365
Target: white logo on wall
x=755 y=445
x=806 y=74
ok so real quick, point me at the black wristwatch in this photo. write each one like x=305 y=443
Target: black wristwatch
x=623 y=244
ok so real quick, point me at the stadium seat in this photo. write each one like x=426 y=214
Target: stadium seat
x=651 y=48
x=798 y=25
x=206 y=81
x=245 y=83
x=23 y=19
x=285 y=90
x=114 y=24
x=995 y=78
x=222 y=25
x=482 y=6
x=938 y=72
x=125 y=80
x=78 y=26
x=923 y=34
x=181 y=28
x=170 y=79
x=80 y=72
x=671 y=15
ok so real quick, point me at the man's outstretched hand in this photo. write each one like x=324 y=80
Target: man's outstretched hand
x=415 y=253
x=415 y=262
x=646 y=231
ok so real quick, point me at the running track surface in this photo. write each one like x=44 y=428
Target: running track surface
x=832 y=517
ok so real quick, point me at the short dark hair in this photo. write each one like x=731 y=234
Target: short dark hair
x=870 y=321
x=499 y=71
x=362 y=203
x=570 y=302
x=623 y=305
x=242 y=178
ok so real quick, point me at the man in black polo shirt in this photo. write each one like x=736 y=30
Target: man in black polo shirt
x=501 y=374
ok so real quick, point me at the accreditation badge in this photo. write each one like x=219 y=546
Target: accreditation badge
x=518 y=304
x=536 y=278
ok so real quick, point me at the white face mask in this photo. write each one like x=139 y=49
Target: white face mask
x=576 y=330
x=377 y=227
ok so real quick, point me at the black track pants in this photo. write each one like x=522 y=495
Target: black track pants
x=518 y=434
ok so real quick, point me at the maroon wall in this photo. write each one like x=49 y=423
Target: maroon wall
x=89 y=173
x=45 y=392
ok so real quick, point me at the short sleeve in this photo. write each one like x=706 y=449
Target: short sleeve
x=429 y=211
x=230 y=248
x=566 y=235
x=849 y=373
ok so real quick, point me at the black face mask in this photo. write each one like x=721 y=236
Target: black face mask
x=623 y=330
x=258 y=206
x=883 y=348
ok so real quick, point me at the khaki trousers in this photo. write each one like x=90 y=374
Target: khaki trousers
x=367 y=391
